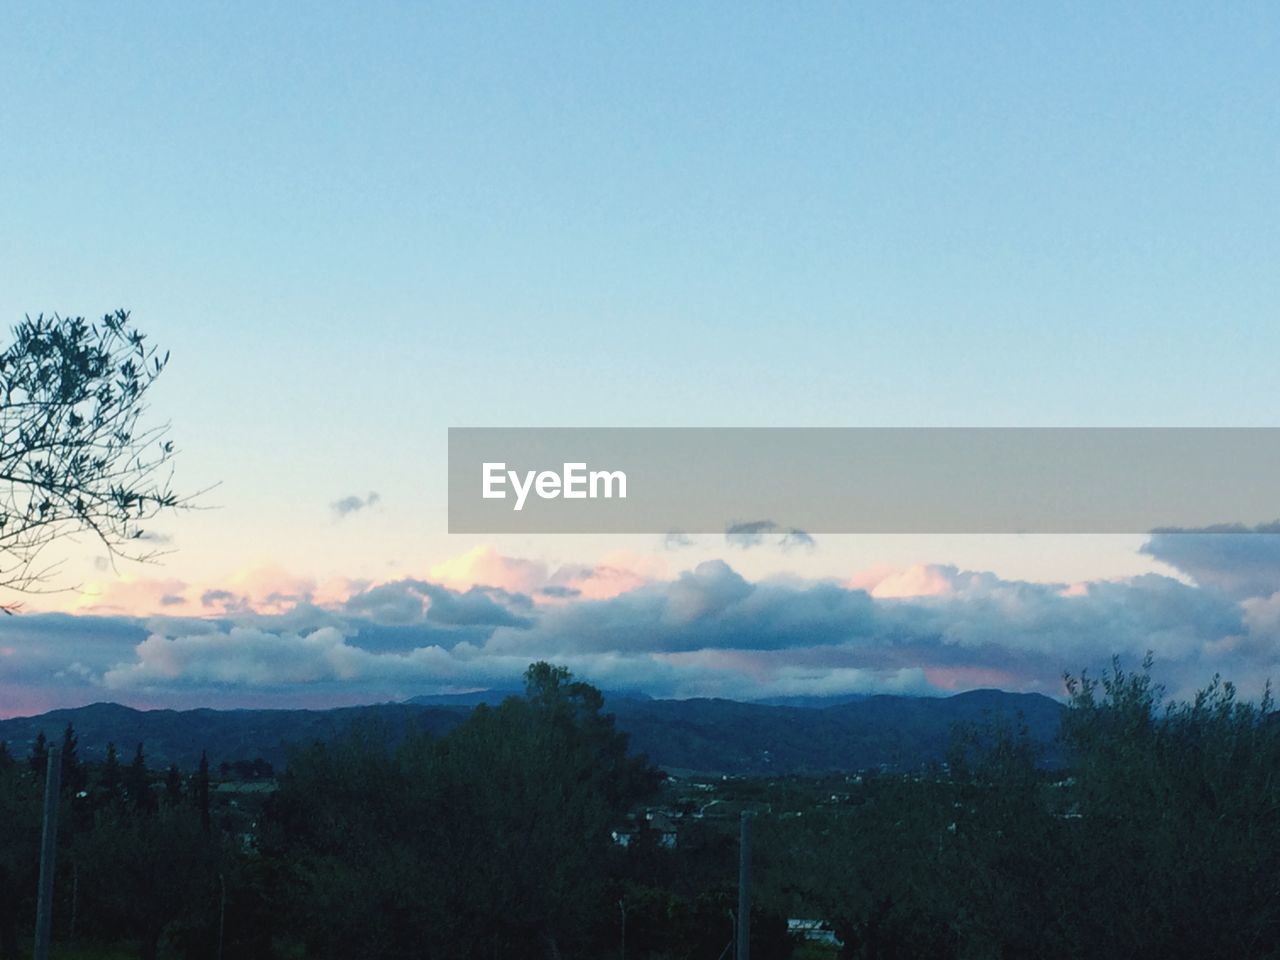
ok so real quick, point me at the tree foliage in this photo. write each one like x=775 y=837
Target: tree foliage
x=75 y=454
x=1160 y=837
x=1181 y=803
x=490 y=841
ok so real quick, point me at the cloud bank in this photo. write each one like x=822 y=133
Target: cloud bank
x=478 y=620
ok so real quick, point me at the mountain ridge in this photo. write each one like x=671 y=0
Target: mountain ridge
x=711 y=735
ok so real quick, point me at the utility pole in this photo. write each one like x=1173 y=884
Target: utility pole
x=75 y=899
x=744 y=888
x=48 y=851
x=222 y=911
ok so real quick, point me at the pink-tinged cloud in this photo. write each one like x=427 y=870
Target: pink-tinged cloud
x=706 y=631
x=264 y=590
x=128 y=596
x=270 y=589
x=921 y=580
x=617 y=573
x=483 y=566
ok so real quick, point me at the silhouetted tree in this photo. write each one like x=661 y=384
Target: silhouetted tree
x=542 y=779
x=173 y=784
x=137 y=783
x=200 y=788
x=19 y=851
x=109 y=777
x=72 y=775
x=73 y=453
x=39 y=759
x=146 y=876
x=1182 y=796
x=490 y=841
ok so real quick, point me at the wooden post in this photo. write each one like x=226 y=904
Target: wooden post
x=222 y=910
x=48 y=852
x=744 y=888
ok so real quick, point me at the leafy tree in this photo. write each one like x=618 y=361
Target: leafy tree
x=1182 y=797
x=19 y=853
x=145 y=878
x=173 y=784
x=74 y=454
x=541 y=779
x=1005 y=871
x=72 y=775
x=490 y=841
x=200 y=790
x=137 y=783
x=39 y=759
x=355 y=865
x=109 y=776
x=880 y=871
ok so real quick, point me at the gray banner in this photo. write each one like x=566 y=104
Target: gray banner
x=925 y=480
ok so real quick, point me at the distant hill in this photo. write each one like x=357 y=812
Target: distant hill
x=712 y=736
x=474 y=698
x=494 y=697
x=178 y=736
x=725 y=736
x=812 y=703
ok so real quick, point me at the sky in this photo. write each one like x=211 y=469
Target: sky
x=355 y=226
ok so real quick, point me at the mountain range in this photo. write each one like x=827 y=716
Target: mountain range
x=710 y=736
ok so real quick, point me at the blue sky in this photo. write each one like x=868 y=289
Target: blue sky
x=358 y=225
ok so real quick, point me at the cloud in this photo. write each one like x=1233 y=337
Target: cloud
x=353 y=504
x=418 y=601
x=268 y=590
x=921 y=580
x=38 y=669
x=484 y=566
x=748 y=534
x=795 y=537
x=617 y=572
x=249 y=657
x=595 y=583
x=268 y=637
x=753 y=533
x=1240 y=561
x=711 y=606
x=220 y=598
x=560 y=593
x=129 y=594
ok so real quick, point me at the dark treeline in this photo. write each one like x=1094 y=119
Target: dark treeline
x=1160 y=838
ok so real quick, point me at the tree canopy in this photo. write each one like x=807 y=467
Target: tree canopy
x=75 y=453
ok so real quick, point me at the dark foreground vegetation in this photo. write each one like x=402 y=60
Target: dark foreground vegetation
x=529 y=831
